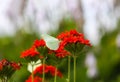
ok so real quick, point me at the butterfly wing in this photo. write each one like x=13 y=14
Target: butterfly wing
x=51 y=42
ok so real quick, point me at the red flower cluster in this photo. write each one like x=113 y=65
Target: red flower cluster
x=39 y=43
x=48 y=69
x=15 y=66
x=36 y=79
x=73 y=37
x=63 y=35
x=7 y=68
x=30 y=52
x=6 y=63
x=3 y=63
x=61 y=52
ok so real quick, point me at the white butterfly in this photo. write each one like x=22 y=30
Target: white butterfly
x=51 y=42
x=34 y=64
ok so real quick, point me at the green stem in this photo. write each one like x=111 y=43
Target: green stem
x=5 y=79
x=69 y=60
x=43 y=79
x=32 y=73
x=74 y=58
x=55 y=78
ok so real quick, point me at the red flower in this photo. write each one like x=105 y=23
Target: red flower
x=63 y=35
x=52 y=71
x=1 y=66
x=41 y=47
x=48 y=69
x=36 y=79
x=30 y=52
x=40 y=69
x=73 y=37
x=39 y=43
x=3 y=63
x=73 y=41
x=75 y=33
x=8 y=68
x=6 y=63
x=15 y=66
x=61 y=52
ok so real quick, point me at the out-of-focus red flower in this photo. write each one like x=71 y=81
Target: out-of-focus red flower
x=48 y=69
x=41 y=57
x=3 y=63
x=1 y=66
x=52 y=71
x=7 y=68
x=40 y=69
x=30 y=52
x=38 y=43
x=6 y=63
x=36 y=79
x=15 y=66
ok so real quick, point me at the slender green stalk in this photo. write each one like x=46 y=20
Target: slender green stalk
x=32 y=73
x=69 y=60
x=74 y=58
x=55 y=78
x=5 y=79
x=43 y=79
